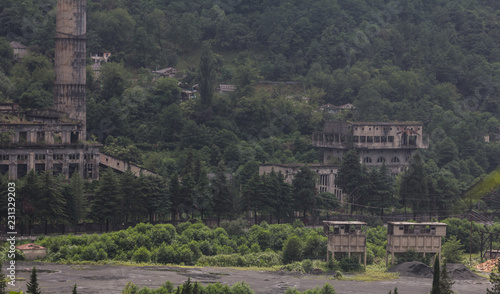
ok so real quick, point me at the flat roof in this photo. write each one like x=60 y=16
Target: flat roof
x=424 y=223
x=344 y=223
x=387 y=123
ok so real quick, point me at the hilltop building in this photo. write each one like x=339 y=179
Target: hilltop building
x=377 y=143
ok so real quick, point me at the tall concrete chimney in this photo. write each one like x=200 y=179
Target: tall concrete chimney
x=70 y=60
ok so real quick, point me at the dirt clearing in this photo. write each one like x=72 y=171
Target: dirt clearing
x=59 y=279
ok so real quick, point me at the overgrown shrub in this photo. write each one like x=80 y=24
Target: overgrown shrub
x=452 y=250
x=141 y=255
x=350 y=264
x=292 y=250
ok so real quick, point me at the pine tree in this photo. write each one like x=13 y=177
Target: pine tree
x=350 y=177
x=32 y=285
x=445 y=281
x=207 y=74
x=174 y=191
x=74 y=194
x=50 y=203
x=413 y=189
x=436 y=277
x=223 y=196
x=495 y=281
x=304 y=189
x=107 y=198
x=74 y=290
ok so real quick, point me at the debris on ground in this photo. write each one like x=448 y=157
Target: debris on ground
x=458 y=271
x=487 y=266
x=413 y=269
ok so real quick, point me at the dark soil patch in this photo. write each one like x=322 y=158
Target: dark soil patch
x=459 y=271
x=413 y=269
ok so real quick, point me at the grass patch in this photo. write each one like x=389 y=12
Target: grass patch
x=373 y=273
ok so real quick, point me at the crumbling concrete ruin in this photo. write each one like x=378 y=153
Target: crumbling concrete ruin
x=54 y=139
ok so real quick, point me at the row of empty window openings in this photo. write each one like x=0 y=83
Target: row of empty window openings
x=43 y=156
x=40 y=137
x=57 y=169
x=395 y=159
x=373 y=139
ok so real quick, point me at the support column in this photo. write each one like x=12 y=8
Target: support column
x=13 y=171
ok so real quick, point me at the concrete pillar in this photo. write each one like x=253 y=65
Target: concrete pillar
x=12 y=171
x=65 y=169
x=31 y=161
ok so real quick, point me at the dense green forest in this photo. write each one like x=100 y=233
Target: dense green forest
x=435 y=61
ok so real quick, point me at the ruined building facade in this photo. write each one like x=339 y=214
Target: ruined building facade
x=377 y=143
x=54 y=139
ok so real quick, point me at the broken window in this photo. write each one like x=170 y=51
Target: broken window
x=57 y=157
x=57 y=169
x=368 y=159
x=383 y=139
x=381 y=159
x=74 y=137
x=22 y=157
x=22 y=170
x=40 y=137
x=4 y=169
x=412 y=140
x=362 y=139
x=369 y=139
x=355 y=139
x=23 y=137
x=324 y=180
x=395 y=159
x=73 y=167
x=376 y=139
x=404 y=139
x=39 y=167
x=5 y=157
x=39 y=156
x=89 y=168
x=390 y=139
x=57 y=137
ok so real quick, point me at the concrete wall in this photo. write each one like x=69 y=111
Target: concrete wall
x=32 y=254
x=326 y=175
x=122 y=166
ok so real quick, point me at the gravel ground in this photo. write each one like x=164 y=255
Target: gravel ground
x=59 y=279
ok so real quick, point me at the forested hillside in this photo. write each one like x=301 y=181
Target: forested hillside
x=435 y=61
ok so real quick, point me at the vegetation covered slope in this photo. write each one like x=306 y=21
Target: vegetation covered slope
x=432 y=61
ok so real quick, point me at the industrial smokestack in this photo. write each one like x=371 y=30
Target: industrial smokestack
x=70 y=60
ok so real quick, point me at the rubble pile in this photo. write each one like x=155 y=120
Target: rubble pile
x=487 y=266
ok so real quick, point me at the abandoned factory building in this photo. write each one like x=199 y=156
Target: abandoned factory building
x=54 y=139
x=377 y=143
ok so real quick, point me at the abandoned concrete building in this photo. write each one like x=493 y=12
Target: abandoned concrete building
x=377 y=143
x=422 y=237
x=345 y=238
x=326 y=173
x=55 y=139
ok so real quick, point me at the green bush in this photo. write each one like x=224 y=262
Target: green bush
x=235 y=228
x=101 y=255
x=307 y=265
x=350 y=264
x=452 y=250
x=141 y=255
x=89 y=253
x=292 y=250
